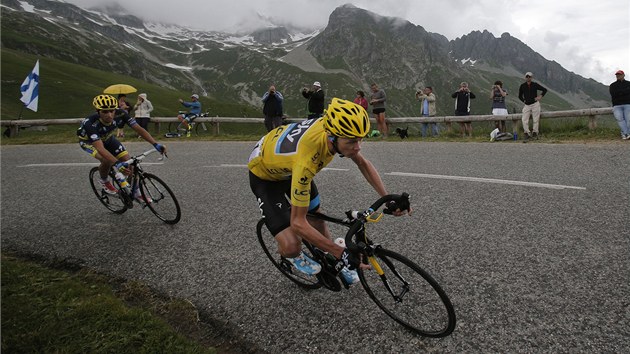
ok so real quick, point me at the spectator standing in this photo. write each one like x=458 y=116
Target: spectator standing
x=427 y=109
x=125 y=106
x=272 y=108
x=377 y=100
x=528 y=94
x=620 y=95
x=360 y=100
x=462 y=107
x=497 y=95
x=142 y=110
x=316 y=97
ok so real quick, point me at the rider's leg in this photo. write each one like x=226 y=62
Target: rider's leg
x=183 y=120
x=104 y=167
x=289 y=244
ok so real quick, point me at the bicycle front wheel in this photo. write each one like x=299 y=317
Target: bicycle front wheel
x=270 y=246
x=113 y=202
x=160 y=198
x=408 y=294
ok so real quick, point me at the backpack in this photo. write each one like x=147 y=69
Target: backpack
x=504 y=136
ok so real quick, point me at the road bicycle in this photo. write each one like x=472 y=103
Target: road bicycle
x=401 y=288
x=156 y=195
x=179 y=129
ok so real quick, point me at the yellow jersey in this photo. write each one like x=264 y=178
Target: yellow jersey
x=296 y=151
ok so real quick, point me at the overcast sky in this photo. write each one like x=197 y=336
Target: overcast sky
x=589 y=38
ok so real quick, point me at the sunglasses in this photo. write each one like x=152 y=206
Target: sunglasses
x=527 y=76
x=108 y=110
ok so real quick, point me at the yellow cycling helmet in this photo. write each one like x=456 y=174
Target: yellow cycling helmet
x=345 y=119
x=105 y=102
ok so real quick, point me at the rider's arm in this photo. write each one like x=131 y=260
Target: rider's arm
x=147 y=136
x=300 y=226
x=370 y=173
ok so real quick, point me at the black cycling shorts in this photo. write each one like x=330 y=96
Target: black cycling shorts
x=274 y=201
x=112 y=145
x=378 y=110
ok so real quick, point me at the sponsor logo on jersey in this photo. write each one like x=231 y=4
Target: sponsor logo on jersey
x=299 y=192
x=304 y=181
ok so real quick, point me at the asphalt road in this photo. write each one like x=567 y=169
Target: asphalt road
x=538 y=264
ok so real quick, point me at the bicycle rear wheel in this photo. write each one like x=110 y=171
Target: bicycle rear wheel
x=270 y=246
x=202 y=128
x=113 y=202
x=409 y=295
x=161 y=199
x=177 y=127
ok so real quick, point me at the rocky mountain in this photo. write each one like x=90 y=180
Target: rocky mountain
x=356 y=48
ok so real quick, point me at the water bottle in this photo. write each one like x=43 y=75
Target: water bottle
x=341 y=242
x=515 y=136
x=120 y=178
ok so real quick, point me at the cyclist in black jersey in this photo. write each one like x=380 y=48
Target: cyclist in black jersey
x=281 y=171
x=96 y=137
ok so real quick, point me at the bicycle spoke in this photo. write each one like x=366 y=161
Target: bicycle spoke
x=270 y=247
x=160 y=199
x=409 y=295
x=113 y=202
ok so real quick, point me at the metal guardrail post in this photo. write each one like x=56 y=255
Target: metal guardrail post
x=592 y=123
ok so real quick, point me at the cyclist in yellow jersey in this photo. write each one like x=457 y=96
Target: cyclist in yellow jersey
x=282 y=166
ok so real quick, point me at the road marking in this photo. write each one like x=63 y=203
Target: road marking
x=76 y=164
x=486 y=180
x=233 y=165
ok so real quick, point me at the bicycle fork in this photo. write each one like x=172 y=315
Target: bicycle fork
x=377 y=267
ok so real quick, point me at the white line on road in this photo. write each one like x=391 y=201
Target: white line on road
x=486 y=180
x=76 y=164
x=324 y=169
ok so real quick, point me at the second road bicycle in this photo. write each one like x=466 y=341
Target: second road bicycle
x=156 y=195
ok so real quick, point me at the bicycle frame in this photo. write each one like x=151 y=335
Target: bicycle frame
x=136 y=170
x=355 y=221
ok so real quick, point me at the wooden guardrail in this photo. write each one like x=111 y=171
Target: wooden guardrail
x=591 y=113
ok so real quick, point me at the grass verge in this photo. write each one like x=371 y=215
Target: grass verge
x=50 y=310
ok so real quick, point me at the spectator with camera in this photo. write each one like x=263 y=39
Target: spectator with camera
x=462 y=107
x=272 y=108
x=497 y=95
x=427 y=109
x=316 y=97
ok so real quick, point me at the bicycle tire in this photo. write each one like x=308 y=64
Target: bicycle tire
x=423 y=308
x=270 y=246
x=163 y=202
x=202 y=128
x=113 y=202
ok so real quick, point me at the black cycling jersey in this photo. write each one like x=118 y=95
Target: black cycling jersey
x=93 y=129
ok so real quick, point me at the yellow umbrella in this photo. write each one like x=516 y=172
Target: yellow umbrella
x=120 y=89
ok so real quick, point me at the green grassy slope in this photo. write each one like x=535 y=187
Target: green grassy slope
x=66 y=90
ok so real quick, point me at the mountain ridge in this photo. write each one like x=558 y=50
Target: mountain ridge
x=356 y=48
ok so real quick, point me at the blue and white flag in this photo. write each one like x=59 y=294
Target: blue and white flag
x=30 y=89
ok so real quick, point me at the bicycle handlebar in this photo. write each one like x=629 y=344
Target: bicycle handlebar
x=402 y=203
x=141 y=157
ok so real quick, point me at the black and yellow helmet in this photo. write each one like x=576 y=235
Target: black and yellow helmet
x=105 y=102
x=345 y=119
